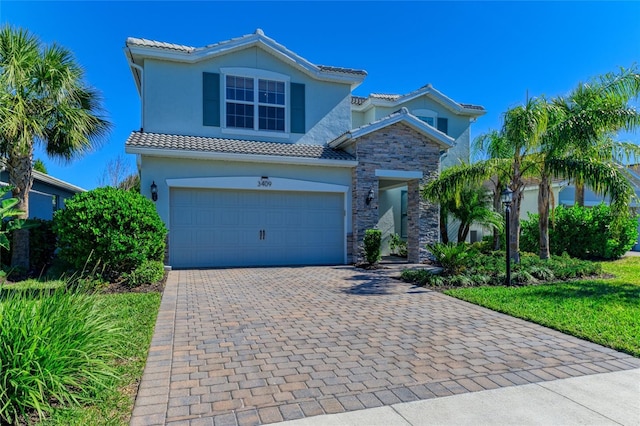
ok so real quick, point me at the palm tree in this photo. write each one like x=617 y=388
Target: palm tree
x=494 y=145
x=43 y=100
x=577 y=143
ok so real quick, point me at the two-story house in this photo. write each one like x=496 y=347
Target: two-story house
x=256 y=156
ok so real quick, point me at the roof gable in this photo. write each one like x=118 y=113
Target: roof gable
x=393 y=100
x=402 y=116
x=137 y=49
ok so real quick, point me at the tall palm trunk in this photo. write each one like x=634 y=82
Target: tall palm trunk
x=21 y=178
x=544 y=195
x=444 y=228
x=579 y=195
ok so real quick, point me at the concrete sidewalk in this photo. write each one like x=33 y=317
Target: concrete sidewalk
x=599 y=399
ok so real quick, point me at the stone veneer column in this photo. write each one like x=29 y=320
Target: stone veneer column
x=396 y=147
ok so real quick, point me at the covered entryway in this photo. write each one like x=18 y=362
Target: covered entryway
x=231 y=227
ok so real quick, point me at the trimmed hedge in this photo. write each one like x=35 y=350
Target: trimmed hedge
x=109 y=230
x=583 y=232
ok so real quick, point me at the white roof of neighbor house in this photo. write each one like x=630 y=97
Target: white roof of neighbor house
x=401 y=116
x=138 y=48
x=390 y=100
x=140 y=143
x=43 y=177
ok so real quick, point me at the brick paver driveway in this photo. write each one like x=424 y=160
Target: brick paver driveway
x=251 y=346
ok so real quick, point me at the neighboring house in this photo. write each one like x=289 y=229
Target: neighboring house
x=260 y=157
x=47 y=194
x=567 y=196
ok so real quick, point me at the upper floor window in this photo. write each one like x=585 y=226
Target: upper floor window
x=432 y=119
x=256 y=103
x=253 y=102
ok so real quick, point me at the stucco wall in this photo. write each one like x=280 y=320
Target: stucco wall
x=160 y=169
x=173 y=98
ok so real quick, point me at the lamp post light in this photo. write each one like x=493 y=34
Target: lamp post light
x=506 y=197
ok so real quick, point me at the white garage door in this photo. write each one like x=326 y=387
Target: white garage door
x=255 y=228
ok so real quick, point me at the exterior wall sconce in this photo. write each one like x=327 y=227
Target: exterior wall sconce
x=370 y=196
x=154 y=191
x=506 y=197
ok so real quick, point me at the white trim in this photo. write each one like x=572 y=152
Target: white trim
x=398 y=174
x=258 y=40
x=250 y=183
x=254 y=73
x=442 y=139
x=428 y=91
x=248 y=158
x=250 y=132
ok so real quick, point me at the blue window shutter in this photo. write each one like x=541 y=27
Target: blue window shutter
x=210 y=99
x=443 y=125
x=298 y=124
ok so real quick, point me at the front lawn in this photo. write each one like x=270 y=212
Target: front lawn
x=604 y=311
x=131 y=315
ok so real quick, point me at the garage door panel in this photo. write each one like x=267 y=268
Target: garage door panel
x=222 y=228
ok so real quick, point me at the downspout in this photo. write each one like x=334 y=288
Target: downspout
x=141 y=85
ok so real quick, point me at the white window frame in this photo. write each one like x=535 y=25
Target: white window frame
x=256 y=74
x=427 y=113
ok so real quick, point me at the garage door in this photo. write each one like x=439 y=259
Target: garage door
x=212 y=228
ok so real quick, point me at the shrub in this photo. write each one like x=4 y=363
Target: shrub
x=117 y=229
x=583 y=232
x=474 y=268
x=451 y=256
x=149 y=272
x=372 y=242
x=398 y=246
x=55 y=348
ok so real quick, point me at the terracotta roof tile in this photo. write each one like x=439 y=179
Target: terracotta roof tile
x=234 y=146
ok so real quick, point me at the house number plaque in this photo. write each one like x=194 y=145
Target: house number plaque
x=264 y=182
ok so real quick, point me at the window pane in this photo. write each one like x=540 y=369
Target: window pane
x=428 y=120
x=239 y=115
x=271 y=92
x=271 y=118
x=239 y=88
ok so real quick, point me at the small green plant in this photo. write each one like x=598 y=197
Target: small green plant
x=116 y=229
x=452 y=257
x=55 y=350
x=151 y=271
x=397 y=245
x=372 y=243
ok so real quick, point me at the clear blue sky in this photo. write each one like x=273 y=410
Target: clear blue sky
x=487 y=53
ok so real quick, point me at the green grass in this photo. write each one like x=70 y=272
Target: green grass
x=604 y=311
x=132 y=315
x=135 y=314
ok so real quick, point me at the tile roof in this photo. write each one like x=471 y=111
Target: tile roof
x=133 y=41
x=341 y=70
x=357 y=100
x=234 y=146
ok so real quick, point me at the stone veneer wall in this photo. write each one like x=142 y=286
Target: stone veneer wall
x=396 y=147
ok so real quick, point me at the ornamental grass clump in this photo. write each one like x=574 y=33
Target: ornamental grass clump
x=56 y=349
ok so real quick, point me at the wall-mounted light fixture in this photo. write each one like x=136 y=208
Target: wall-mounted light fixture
x=370 y=196
x=154 y=191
